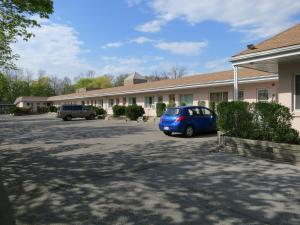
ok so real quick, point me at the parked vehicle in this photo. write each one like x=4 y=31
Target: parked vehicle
x=188 y=120
x=68 y=112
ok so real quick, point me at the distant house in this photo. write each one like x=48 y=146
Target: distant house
x=32 y=102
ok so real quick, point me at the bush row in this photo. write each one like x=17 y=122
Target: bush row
x=99 y=111
x=258 y=121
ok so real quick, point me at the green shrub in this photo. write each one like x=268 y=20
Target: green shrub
x=235 y=118
x=133 y=112
x=42 y=110
x=212 y=106
x=160 y=108
x=17 y=111
x=201 y=103
x=52 y=108
x=98 y=110
x=171 y=105
x=118 y=110
x=259 y=121
x=182 y=104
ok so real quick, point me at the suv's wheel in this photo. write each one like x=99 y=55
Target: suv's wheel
x=68 y=118
x=168 y=133
x=189 y=131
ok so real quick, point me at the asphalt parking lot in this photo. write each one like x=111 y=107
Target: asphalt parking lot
x=113 y=172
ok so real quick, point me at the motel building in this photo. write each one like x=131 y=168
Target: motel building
x=268 y=71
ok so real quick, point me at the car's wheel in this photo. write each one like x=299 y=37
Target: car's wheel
x=168 y=133
x=189 y=131
x=92 y=117
x=68 y=118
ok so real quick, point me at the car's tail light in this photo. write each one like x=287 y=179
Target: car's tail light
x=180 y=118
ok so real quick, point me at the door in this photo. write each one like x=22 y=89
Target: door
x=208 y=119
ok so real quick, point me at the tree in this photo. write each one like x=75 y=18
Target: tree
x=119 y=80
x=177 y=72
x=42 y=87
x=94 y=83
x=3 y=87
x=16 y=16
x=66 y=86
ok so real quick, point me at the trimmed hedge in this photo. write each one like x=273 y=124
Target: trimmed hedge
x=160 y=108
x=118 y=110
x=258 y=121
x=17 y=111
x=99 y=111
x=133 y=112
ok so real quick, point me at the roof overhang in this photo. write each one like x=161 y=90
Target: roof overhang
x=273 y=77
x=268 y=60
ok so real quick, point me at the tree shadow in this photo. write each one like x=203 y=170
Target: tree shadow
x=166 y=182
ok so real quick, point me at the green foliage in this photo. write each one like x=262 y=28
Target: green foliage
x=94 y=83
x=133 y=112
x=201 y=103
x=160 y=108
x=119 y=80
x=118 y=110
x=235 y=118
x=171 y=105
x=42 y=110
x=98 y=110
x=16 y=16
x=42 y=87
x=212 y=105
x=260 y=121
x=18 y=111
x=52 y=108
x=182 y=104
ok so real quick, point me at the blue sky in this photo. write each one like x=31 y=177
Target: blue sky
x=123 y=36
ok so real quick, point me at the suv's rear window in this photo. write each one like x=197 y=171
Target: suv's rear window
x=172 y=111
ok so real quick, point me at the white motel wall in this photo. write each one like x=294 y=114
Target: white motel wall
x=250 y=92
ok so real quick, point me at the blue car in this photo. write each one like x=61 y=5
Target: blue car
x=188 y=120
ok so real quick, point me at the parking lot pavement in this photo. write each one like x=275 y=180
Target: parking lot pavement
x=113 y=172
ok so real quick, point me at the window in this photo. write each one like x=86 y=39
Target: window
x=241 y=96
x=186 y=99
x=195 y=112
x=82 y=102
x=132 y=101
x=100 y=103
x=149 y=102
x=28 y=104
x=173 y=111
x=171 y=99
x=117 y=101
x=160 y=99
x=218 y=96
x=297 y=92
x=206 y=112
x=124 y=100
x=77 y=107
x=262 y=95
x=110 y=102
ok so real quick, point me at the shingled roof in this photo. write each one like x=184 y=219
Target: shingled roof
x=163 y=84
x=286 y=38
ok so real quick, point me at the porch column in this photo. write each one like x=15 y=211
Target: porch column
x=235 y=83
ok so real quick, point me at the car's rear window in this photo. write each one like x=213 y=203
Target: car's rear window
x=172 y=112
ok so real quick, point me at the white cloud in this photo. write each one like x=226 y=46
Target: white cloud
x=258 y=19
x=141 y=40
x=218 y=64
x=151 y=27
x=113 y=45
x=182 y=48
x=55 y=48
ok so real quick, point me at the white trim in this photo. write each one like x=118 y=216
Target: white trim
x=178 y=87
x=266 y=52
